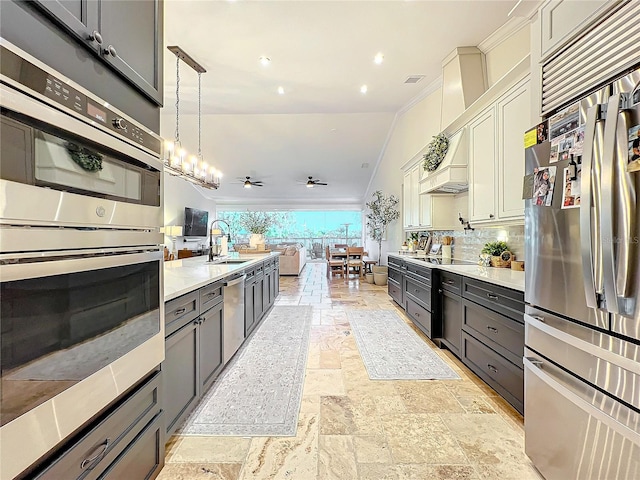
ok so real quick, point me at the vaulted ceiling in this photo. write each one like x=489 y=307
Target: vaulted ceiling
x=321 y=53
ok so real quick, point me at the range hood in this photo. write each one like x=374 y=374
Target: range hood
x=451 y=175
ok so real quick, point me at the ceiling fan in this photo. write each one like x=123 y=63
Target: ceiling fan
x=312 y=183
x=248 y=183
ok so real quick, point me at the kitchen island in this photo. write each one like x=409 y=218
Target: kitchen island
x=210 y=310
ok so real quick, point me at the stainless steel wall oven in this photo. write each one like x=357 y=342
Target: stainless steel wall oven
x=80 y=258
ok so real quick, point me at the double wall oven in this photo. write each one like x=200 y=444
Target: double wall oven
x=80 y=258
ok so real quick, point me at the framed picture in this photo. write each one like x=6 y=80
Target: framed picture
x=422 y=244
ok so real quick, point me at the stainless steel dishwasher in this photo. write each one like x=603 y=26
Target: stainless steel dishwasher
x=233 y=316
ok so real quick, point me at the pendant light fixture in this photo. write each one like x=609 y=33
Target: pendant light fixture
x=176 y=160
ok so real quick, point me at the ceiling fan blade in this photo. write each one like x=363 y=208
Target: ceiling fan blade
x=258 y=185
x=320 y=183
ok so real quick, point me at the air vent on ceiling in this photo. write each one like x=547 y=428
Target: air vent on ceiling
x=365 y=165
x=414 y=79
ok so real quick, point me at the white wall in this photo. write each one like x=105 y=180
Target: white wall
x=179 y=193
x=411 y=131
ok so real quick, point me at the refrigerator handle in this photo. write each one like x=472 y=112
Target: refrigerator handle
x=625 y=205
x=608 y=205
x=586 y=207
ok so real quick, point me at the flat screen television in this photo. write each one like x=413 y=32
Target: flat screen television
x=195 y=222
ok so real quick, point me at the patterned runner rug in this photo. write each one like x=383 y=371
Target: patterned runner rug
x=259 y=392
x=392 y=351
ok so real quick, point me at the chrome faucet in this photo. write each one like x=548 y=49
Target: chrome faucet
x=211 y=254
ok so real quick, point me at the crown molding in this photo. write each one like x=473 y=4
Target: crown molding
x=512 y=26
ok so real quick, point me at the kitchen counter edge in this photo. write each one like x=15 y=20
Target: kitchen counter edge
x=504 y=277
x=189 y=274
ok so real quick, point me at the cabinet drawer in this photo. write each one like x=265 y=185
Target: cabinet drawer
x=179 y=311
x=395 y=275
x=420 y=317
x=395 y=291
x=418 y=292
x=423 y=274
x=451 y=282
x=89 y=455
x=501 y=333
x=502 y=300
x=396 y=262
x=210 y=295
x=144 y=456
x=498 y=372
x=251 y=276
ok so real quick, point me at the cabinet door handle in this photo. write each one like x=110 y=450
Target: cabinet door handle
x=492 y=329
x=449 y=282
x=491 y=296
x=111 y=50
x=492 y=368
x=179 y=311
x=88 y=461
x=211 y=294
x=96 y=37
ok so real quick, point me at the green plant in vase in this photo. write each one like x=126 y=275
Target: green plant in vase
x=499 y=253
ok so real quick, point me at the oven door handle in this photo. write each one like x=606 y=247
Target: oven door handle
x=554 y=381
x=51 y=264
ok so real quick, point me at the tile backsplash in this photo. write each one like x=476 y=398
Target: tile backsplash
x=468 y=244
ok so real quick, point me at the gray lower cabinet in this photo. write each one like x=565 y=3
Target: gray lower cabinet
x=249 y=308
x=193 y=350
x=180 y=369
x=452 y=312
x=493 y=337
x=127 y=441
x=210 y=339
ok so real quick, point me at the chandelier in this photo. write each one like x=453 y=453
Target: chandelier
x=177 y=161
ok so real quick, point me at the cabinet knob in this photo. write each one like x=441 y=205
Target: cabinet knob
x=491 y=215
x=96 y=37
x=111 y=50
x=492 y=368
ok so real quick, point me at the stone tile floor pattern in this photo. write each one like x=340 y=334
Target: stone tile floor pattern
x=351 y=427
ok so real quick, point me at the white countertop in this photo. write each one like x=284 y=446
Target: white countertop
x=505 y=277
x=189 y=274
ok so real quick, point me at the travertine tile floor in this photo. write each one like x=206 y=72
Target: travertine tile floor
x=351 y=427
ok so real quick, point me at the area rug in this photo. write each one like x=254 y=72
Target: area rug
x=259 y=392
x=392 y=351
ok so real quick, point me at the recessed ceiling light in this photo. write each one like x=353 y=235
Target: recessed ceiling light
x=281 y=90
x=363 y=89
x=264 y=61
x=379 y=58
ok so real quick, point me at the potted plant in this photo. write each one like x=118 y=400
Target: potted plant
x=256 y=223
x=495 y=250
x=436 y=150
x=382 y=211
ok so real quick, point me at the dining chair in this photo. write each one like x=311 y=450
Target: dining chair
x=354 y=260
x=334 y=265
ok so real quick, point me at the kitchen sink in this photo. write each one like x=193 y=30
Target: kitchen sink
x=228 y=261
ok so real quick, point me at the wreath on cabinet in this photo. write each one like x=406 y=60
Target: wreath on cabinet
x=436 y=150
x=87 y=159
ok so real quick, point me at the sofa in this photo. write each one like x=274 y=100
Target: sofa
x=292 y=258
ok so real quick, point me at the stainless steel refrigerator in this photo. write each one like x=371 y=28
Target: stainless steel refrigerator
x=582 y=334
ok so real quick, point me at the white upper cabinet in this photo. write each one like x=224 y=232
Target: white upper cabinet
x=482 y=166
x=513 y=120
x=411 y=200
x=496 y=157
x=560 y=20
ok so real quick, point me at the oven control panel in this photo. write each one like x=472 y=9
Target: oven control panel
x=34 y=78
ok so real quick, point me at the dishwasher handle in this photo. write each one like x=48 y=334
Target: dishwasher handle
x=235 y=281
